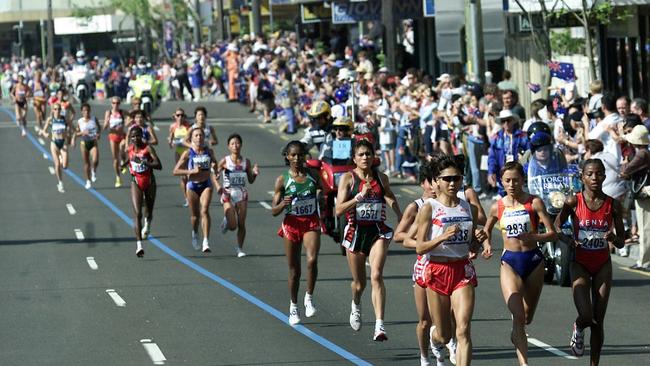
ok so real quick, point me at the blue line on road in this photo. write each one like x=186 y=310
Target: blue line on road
x=223 y=282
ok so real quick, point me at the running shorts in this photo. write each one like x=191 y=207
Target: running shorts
x=447 y=277
x=115 y=137
x=294 y=227
x=361 y=238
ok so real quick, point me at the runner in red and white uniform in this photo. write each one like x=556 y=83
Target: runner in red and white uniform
x=114 y=124
x=597 y=221
x=295 y=194
x=446 y=233
x=405 y=233
x=236 y=171
x=142 y=159
x=522 y=262
x=363 y=195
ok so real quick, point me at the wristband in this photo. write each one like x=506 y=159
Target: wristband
x=359 y=197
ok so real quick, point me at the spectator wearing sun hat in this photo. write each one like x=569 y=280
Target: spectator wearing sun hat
x=505 y=146
x=637 y=171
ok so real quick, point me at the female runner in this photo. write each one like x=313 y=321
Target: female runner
x=295 y=195
x=597 y=222
x=19 y=94
x=403 y=234
x=198 y=163
x=60 y=134
x=40 y=92
x=142 y=159
x=88 y=130
x=234 y=195
x=446 y=233
x=522 y=262
x=137 y=118
x=362 y=195
x=178 y=134
x=114 y=122
x=200 y=115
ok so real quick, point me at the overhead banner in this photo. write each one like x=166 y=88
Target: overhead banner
x=354 y=12
x=315 y=13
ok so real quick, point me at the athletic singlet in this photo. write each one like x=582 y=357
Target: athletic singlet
x=235 y=175
x=116 y=120
x=423 y=259
x=518 y=219
x=206 y=131
x=303 y=196
x=90 y=127
x=201 y=160
x=146 y=136
x=40 y=92
x=443 y=217
x=372 y=208
x=179 y=135
x=20 y=93
x=137 y=159
x=58 y=126
x=64 y=107
x=593 y=226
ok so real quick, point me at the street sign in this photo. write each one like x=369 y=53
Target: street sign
x=314 y=13
x=350 y=13
x=429 y=8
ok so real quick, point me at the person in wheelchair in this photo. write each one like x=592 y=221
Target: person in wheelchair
x=338 y=150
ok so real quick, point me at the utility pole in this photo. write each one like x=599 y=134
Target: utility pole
x=390 y=36
x=218 y=6
x=475 y=40
x=43 y=52
x=50 y=34
x=256 y=20
x=197 y=24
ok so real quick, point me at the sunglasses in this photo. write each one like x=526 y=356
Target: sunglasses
x=178 y=115
x=451 y=178
x=340 y=129
x=115 y=102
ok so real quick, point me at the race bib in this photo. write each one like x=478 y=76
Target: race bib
x=515 y=223
x=115 y=122
x=463 y=236
x=39 y=93
x=202 y=161
x=92 y=132
x=369 y=211
x=237 y=179
x=303 y=206
x=58 y=128
x=592 y=239
x=138 y=167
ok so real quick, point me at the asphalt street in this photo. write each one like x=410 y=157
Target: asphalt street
x=74 y=293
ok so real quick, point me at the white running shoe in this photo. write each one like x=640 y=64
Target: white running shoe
x=577 y=343
x=88 y=185
x=139 y=252
x=145 y=229
x=310 y=309
x=425 y=361
x=438 y=350
x=37 y=129
x=380 y=334
x=195 y=242
x=59 y=186
x=186 y=204
x=355 y=318
x=451 y=347
x=23 y=133
x=206 y=247
x=224 y=225
x=93 y=176
x=294 y=316
x=240 y=253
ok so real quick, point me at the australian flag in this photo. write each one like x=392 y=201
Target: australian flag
x=562 y=70
x=535 y=88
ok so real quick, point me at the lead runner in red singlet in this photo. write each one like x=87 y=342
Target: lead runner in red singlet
x=597 y=221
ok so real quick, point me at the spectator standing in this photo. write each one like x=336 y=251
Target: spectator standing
x=606 y=127
x=506 y=83
x=510 y=100
x=638 y=170
x=505 y=146
x=640 y=108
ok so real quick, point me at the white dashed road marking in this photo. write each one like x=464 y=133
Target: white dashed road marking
x=549 y=348
x=79 y=234
x=265 y=205
x=71 y=209
x=91 y=263
x=154 y=352
x=117 y=299
x=51 y=169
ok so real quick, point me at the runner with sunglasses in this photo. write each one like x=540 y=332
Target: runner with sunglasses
x=88 y=131
x=295 y=194
x=597 y=222
x=362 y=196
x=60 y=134
x=522 y=261
x=178 y=139
x=142 y=159
x=114 y=123
x=446 y=234
x=236 y=170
